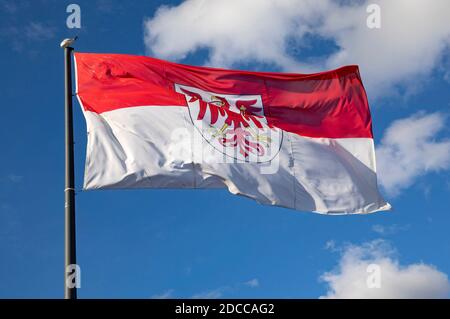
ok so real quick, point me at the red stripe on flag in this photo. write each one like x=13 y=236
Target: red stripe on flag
x=329 y=104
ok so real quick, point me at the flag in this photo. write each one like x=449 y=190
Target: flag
x=301 y=141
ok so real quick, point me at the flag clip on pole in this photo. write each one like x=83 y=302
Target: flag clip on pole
x=71 y=277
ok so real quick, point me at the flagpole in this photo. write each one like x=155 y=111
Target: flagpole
x=70 y=291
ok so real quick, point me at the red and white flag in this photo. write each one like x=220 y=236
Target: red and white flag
x=302 y=141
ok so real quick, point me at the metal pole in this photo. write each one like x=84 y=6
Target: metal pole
x=69 y=191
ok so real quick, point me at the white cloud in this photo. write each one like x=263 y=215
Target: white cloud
x=15 y=178
x=349 y=279
x=386 y=230
x=330 y=245
x=252 y=283
x=233 y=30
x=25 y=35
x=165 y=295
x=37 y=31
x=212 y=294
x=219 y=292
x=13 y=6
x=413 y=38
x=410 y=148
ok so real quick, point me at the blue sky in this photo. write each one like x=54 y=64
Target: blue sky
x=209 y=243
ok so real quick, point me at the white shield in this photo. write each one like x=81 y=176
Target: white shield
x=234 y=125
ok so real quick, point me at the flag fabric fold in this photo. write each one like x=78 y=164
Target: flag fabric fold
x=301 y=141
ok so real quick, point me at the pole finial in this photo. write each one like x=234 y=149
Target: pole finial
x=68 y=42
